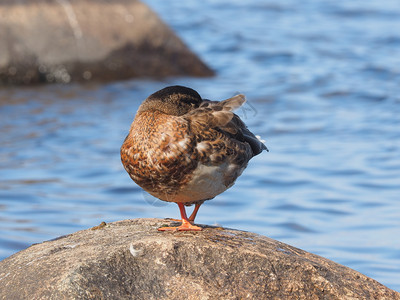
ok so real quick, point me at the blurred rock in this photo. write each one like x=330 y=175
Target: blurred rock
x=82 y=40
x=132 y=260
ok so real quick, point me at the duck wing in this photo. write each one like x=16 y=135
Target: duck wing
x=219 y=116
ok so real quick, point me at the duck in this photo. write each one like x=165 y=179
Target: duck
x=184 y=149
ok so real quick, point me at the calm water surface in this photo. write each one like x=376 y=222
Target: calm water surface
x=323 y=83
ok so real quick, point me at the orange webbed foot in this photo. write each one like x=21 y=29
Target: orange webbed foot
x=186 y=226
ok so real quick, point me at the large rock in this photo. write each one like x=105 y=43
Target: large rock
x=80 y=40
x=132 y=260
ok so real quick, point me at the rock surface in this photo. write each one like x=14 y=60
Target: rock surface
x=81 y=40
x=132 y=260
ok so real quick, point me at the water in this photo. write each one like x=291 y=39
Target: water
x=323 y=83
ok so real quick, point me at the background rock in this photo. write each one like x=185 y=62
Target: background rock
x=131 y=259
x=80 y=40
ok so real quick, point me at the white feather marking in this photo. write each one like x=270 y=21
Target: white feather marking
x=202 y=146
x=260 y=139
x=184 y=142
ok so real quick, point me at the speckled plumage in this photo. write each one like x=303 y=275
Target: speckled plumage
x=183 y=149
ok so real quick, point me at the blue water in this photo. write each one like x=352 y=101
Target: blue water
x=322 y=80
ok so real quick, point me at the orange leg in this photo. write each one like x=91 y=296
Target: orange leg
x=192 y=216
x=194 y=213
x=186 y=225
